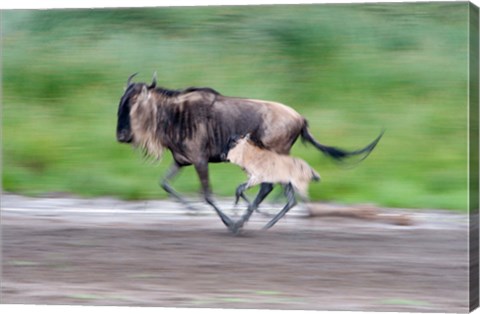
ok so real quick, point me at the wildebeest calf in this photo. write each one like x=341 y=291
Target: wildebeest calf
x=264 y=166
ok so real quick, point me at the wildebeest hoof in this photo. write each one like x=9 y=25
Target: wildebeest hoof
x=236 y=227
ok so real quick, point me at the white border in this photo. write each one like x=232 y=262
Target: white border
x=48 y=4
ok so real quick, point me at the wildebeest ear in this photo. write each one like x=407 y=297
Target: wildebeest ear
x=154 y=80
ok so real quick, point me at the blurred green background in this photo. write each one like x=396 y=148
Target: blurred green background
x=349 y=69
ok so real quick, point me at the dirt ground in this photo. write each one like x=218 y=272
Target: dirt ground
x=108 y=252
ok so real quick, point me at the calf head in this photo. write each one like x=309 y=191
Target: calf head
x=233 y=142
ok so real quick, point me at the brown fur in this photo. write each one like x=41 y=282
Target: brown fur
x=206 y=120
x=263 y=165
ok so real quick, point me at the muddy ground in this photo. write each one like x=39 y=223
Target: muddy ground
x=108 y=252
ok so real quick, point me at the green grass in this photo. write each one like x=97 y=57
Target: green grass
x=350 y=69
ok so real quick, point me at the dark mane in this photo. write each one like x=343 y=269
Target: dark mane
x=168 y=92
x=201 y=89
x=176 y=92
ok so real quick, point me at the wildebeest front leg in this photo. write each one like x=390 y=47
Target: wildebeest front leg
x=290 y=194
x=165 y=184
x=202 y=171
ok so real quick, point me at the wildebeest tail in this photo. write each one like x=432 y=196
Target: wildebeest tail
x=337 y=153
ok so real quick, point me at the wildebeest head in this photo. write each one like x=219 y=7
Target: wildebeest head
x=132 y=91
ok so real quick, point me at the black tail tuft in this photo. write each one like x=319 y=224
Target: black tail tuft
x=337 y=153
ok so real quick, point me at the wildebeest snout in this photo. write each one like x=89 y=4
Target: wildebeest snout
x=124 y=136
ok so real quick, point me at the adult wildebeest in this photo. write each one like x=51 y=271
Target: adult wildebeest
x=195 y=124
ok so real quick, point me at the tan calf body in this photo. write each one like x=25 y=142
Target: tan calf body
x=263 y=165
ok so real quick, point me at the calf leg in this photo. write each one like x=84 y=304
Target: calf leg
x=260 y=197
x=276 y=199
x=290 y=194
x=239 y=193
x=165 y=184
x=265 y=189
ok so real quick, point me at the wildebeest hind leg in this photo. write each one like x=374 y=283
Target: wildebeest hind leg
x=290 y=194
x=165 y=184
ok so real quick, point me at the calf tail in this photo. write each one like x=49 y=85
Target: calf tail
x=337 y=153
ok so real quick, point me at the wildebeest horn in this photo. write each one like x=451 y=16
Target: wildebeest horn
x=130 y=78
x=154 y=80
